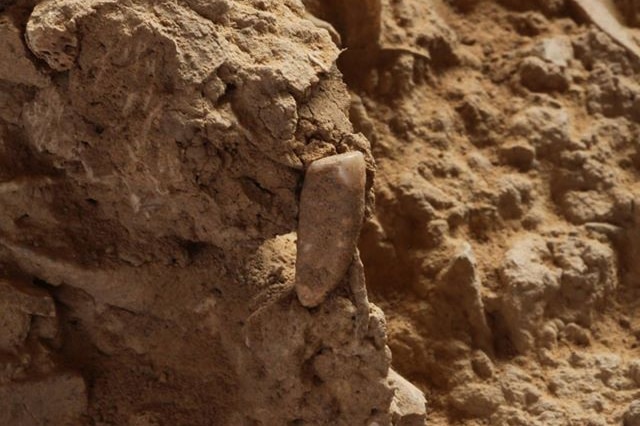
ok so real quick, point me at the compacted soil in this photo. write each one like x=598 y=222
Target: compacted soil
x=152 y=160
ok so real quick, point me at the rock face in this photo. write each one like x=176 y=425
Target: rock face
x=151 y=155
x=200 y=198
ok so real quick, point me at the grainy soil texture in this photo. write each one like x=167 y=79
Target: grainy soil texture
x=320 y=212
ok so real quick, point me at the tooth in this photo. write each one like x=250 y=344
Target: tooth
x=331 y=215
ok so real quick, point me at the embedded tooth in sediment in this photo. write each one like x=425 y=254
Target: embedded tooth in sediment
x=331 y=215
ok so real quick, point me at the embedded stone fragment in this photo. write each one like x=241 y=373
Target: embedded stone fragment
x=409 y=406
x=538 y=75
x=462 y=282
x=556 y=50
x=331 y=214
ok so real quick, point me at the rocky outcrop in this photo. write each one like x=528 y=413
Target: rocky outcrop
x=151 y=156
x=191 y=231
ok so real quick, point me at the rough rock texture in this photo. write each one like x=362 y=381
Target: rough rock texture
x=151 y=160
x=153 y=166
x=505 y=236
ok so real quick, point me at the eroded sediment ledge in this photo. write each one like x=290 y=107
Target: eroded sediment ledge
x=151 y=155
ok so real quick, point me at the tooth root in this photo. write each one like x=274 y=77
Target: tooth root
x=331 y=215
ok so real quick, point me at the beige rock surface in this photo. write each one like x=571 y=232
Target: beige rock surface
x=161 y=175
x=522 y=148
x=151 y=155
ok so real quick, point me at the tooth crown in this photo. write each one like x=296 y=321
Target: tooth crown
x=331 y=215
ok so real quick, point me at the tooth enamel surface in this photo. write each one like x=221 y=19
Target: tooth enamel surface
x=331 y=214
